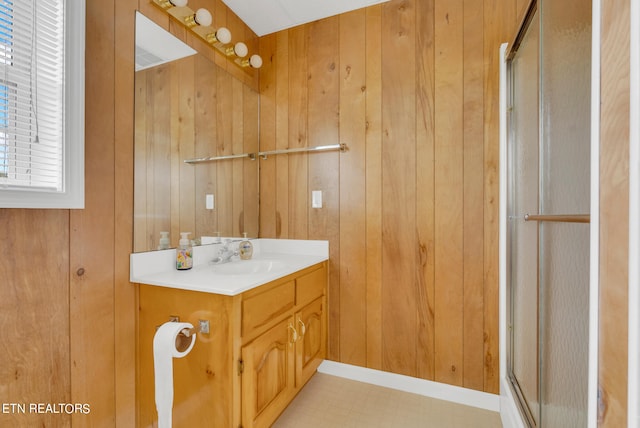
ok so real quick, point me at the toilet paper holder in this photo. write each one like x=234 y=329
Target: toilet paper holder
x=202 y=327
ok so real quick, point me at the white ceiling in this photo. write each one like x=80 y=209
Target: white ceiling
x=269 y=16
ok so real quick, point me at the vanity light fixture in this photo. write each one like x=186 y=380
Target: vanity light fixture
x=220 y=37
x=199 y=22
x=239 y=49
x=254 y=61
x=201 y=17
x=166 y=4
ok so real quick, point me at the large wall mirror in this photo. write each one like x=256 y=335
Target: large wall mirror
x=187 y=107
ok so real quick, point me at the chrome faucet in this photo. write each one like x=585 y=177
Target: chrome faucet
x=225 y=253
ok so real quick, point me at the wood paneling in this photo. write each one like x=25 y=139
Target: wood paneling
x=224 y=146
x=352 y=301
x=182 y=147
x=413 y=286
x=398 y=188
x=282 y=134
x=614 y=214
x=250 y=172
x=205 y=123
x=297 y=135
x=473 y=194
x=48 y=293
x=373 y=190
x=500 y=25
x=67 y=307
x=34 y=314
x=268 y=137
x=425 y=205
x=125 y=295
x=323 y=93
x=449 y=191
x=323 y=88
x=185 y=109
x=92 y=232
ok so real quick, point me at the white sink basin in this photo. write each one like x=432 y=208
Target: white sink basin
x=244 y=267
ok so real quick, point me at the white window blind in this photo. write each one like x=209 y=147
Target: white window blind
x=38 y=118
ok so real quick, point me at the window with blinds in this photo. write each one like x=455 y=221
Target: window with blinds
x=41 y=102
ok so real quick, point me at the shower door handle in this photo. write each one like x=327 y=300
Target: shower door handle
x=562 y=218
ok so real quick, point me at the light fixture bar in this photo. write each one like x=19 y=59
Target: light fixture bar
x=199 y=23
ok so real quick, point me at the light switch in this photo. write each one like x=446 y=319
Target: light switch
x=209 y=202
x=316 y=199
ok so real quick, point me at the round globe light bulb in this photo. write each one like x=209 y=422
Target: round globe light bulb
x=255 y=61
x=203 y=17
x=179 y=3
x=241 y=50
x=223 y=35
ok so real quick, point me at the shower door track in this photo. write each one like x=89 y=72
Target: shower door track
x=521 y=402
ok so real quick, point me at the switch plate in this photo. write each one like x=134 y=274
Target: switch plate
x=209 y=202
x=316 y=199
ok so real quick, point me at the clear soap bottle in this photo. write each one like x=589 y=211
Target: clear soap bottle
x=245 y=248
x=184 y=253
x=164 y=241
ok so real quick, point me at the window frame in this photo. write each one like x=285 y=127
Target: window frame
x=72 y=195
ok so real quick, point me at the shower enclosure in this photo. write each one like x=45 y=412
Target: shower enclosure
x=548 y=204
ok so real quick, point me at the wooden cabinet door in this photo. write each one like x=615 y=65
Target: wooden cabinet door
x=268 y=375
x=311 y=343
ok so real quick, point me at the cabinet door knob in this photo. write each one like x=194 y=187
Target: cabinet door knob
x=294 y=334
x=304 y=327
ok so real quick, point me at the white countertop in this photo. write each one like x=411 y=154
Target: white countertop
x=274 y=258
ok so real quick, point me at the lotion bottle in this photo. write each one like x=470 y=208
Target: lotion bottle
x=184 y=253
x=245 y=248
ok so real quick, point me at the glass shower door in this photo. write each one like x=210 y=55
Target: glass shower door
x=565 y=189
x=548 y=201
x=523 y=242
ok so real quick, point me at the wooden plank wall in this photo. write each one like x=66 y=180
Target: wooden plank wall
x=125 y=296
x=411 y=209
x=67 y=309
x=186 y=109
x=92 y=286
x=614 y=214
x=34 y=313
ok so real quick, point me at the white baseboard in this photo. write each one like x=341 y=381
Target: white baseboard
x=440 y=391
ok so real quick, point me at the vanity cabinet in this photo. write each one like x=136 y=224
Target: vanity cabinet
x=264 y=345
x=278 y=359
x=279 y=362
x=310 y=346
x=268 y=374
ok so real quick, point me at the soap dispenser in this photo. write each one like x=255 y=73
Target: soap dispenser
x=164 y=241
x=184 y=253
x=245 y=248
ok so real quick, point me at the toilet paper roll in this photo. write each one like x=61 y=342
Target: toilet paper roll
x=165 y=349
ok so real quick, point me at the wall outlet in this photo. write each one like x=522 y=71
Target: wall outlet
x=209 y=202
x=316 y=199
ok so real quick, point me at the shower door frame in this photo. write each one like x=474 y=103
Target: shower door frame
x=520 y=399
x=513 y=414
